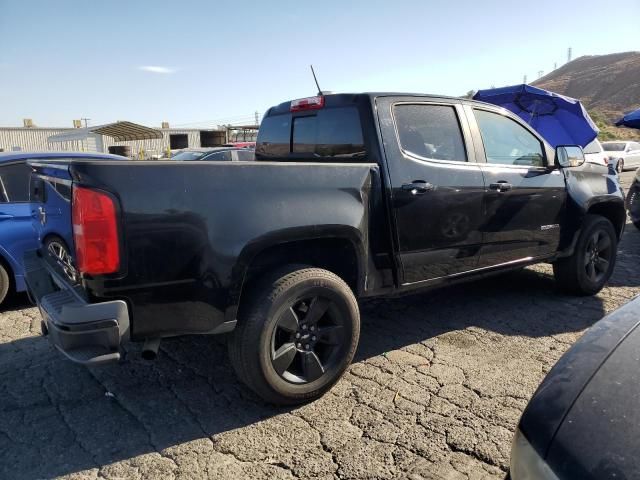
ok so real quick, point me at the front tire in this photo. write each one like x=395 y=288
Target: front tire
x=297 y=335
x=593 y=260
x=620 y=166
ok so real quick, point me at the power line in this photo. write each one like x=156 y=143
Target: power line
x=220 y=121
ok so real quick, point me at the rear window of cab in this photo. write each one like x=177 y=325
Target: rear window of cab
x=331 y=134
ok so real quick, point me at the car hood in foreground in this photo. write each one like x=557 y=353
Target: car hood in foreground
x=577 y=377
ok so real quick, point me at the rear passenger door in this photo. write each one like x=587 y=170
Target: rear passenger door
x=524 y=199
x=436 y=187
x=16 y=231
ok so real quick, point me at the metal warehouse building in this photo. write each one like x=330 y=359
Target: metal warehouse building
x=37 y=139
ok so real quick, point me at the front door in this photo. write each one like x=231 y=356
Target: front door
x=524 y=199
x=436 y=188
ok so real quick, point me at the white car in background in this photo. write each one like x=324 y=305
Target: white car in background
x=594 y=153
x=625 y=154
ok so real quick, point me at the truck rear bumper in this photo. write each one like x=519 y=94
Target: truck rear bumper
x=86 y=333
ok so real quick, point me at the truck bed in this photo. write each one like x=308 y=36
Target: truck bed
x=187 y=229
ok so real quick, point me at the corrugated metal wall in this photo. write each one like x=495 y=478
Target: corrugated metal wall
x=35 y=139
x=156 y=146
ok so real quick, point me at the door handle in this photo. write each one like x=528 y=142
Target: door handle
x=5 y=216
x=42 y=215
x=501 y=186
x=417 y=187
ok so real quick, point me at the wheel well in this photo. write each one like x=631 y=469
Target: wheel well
x=616 y=214
x=334 y=254
x=50 y=236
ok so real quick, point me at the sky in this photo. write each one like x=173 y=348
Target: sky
x=202 y=63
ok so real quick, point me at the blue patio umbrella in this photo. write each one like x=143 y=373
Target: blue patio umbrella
x=560 y=120
x=631 y=120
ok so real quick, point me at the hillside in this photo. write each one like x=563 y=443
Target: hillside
x=608 y=85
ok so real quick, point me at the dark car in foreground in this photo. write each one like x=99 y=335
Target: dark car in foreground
x=18 y=208
x=583 y=422
x=215 y=154
x=351 y=196
x=633 y=200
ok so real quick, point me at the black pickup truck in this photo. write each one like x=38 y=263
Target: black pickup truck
x=351 y=196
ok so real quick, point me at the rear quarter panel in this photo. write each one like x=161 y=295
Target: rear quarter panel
x=189 y=230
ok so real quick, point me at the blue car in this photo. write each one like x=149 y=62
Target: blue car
x=21 y=203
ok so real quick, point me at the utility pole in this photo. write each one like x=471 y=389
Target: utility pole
x=524 y=80
x=569 y=55
x=555 y=65
x=540 y=72
x=257 y=117
x=85 y=121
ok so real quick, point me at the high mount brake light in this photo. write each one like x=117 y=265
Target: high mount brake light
x=95 y=231
x=309 y=103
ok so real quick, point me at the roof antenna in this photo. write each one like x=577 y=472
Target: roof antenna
x=316 y=80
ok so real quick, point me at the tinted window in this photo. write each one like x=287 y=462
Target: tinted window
x=63 y=190
x=430 y=131
x=274 y=136
x=328 y=133
x=613 y=147
x=506 y=142
x=14 y=183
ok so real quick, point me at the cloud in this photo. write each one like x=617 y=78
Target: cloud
x=156 y=69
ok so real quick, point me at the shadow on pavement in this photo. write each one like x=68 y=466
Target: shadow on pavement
x=58 y=418
x=17 y=301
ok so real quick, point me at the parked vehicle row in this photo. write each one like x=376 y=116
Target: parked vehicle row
x=220 y=154
x=350 y=196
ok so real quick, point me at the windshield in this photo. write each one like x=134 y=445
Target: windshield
x=593 y=147
x=188 y=155
x=614 y=147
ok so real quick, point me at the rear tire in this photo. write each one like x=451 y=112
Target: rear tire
x=593 y=260
x=296 y=335
x=5 y=283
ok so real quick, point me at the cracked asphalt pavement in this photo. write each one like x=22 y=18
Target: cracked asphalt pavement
x=435 y=391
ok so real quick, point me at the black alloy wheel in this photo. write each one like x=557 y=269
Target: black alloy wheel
x=598 y=256
x=307 y=340
x=297 y=332
x=589 y=267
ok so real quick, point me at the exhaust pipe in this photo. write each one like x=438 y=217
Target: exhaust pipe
x=150 y=348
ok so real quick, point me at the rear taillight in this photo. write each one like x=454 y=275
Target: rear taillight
x=95 y=232
x=310 y=103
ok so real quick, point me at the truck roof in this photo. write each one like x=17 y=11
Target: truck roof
x=337 y=99
x=21 y=155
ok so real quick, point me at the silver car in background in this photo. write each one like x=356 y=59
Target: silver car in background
x=625 y=154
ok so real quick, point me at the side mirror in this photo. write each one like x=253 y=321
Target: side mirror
x=569 y=156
